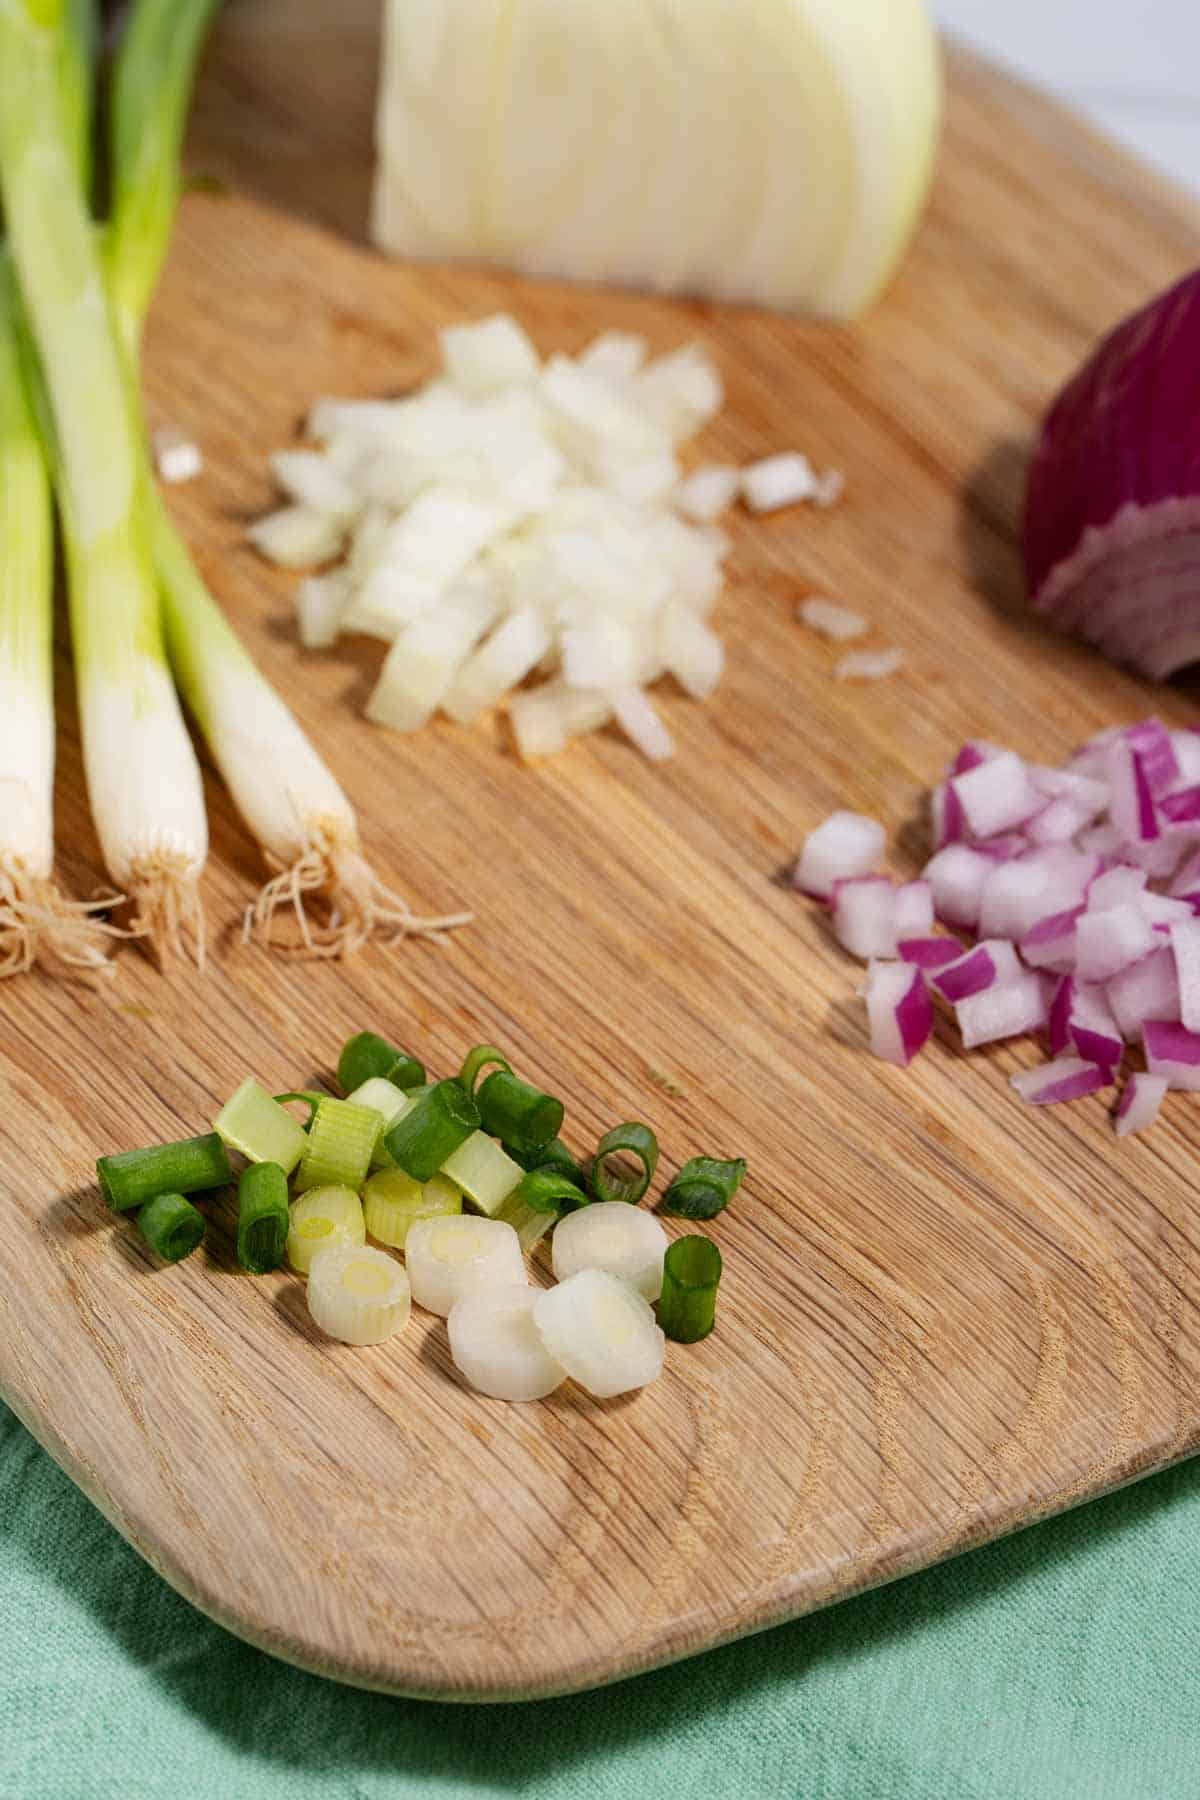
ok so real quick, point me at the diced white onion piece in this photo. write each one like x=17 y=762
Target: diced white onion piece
x=996 y=795
x=627 y=1241
x=501 y=662
x=485 y=1172
x=358 y=1295
x=312 y=480
x=596 y=425
x=778 y=481
x=447 y=1258
x=679 y=393
x=320 y=603
x=296 y=537
x=832 y=621
x=868 y=665
x=634 y=712
x=602 y=1331
x=600 y=655
x=488 y=355
x=424 y=554
x=899 y=1015
x=323 y=1219
x=691 y=651
x=177 y=457
x=842 y=847
x=545 y=719
x=1010 y=1009
x=1070 y=1078
x=498 y=1349
x=708 y=492
x=424 y=659
x=616 y=356
x=1140 y=1103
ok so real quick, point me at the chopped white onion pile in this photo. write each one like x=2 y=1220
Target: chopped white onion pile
x=515 y=518
x=1078 y=891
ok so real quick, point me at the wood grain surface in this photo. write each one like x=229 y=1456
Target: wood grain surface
x=945 y=1314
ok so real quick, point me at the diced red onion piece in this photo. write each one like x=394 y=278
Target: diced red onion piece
x=1131 y=808
x=1140 y=1103
x=1070 y=1078
x=1182 y=807
x=1185 y=947
x=1122 y=886
x=930 y=952
x=1059 y=821
x=1173 y=1052
x=864 y=916
x=1101 y=839
x=1186 y=745
x=1149 y=990
x=1011 y=1009
x=983 y=967
x=898 y=1011
x=956 y=875
x=1086 y=791
x=1107 y=942
x=913 y=910
x=1152 y=741
x=974 y=752
x=1051 y=943
x=1187 y=878
x=1162 y=911
x=996 y=795
x=1058 y=1018
x=949 y=826
x=1005 y=848
x=1092 y=1029
x=845 y=845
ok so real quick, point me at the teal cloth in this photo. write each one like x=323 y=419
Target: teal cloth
x=1060 y=1663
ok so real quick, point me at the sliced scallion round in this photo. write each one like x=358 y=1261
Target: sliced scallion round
x=254 y=1123
x=340 y=1144
x=631 y=1140
x=703 y=1187
x=546 y=1191
x=171 y=1226
x=189 y=1166
x=517 y=1113
x=553 y=1155
x=367 y=1054
x=687 y=1306
x=432 y=1130
x=262 y=1217
x=480 y=1058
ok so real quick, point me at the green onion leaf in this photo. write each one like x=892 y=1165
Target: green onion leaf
x=703 y=1187
x=262 y=1217
x=189 y=1166
x=478 y=1059
x=171 y=1226
x=544 y=1190
x=367 y=1054
x=553 y=1155
x=687 y=1306
x=302 y=1097
x=252 y=1122
x=632 y=1139
x=427 y=1136
x=518 y=1114
x=340 y=1143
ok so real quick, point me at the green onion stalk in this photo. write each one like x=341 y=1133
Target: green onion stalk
x=142 y=774
x=287 y=796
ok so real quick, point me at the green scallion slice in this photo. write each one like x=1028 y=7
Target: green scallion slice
x=339 y=1147
x=703 y=1187
x=530 y=1226
x=553 y=1155
x=687 y=1306
x=517 y=1113
x=189 y=1166
x=480 y=1058
x=428 y=1134
x=171 y=1226
x=302 y=1097
x=367 y=1054
x=252 y=1122
x=485 y=1173
x=544 y=1190
x=262 y=1217
x=629 y=1140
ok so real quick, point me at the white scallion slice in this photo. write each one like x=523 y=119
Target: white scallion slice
x=323 y=1219
x=358 y=1295
x=486 y=1174
x=393 y=1203
x=624 y=1240
x=602 y=1331
x=496 y=1345
x=448 y=1258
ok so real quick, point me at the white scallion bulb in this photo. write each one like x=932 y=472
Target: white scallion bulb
x=323 y=1219
x=496 y=1346
x=624 y=1240
x=448 y=1258
x=357 y=1295
x=602 y=1332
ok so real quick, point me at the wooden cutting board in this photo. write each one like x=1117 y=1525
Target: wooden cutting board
x=945 y=1314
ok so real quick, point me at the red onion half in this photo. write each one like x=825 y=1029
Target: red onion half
x=1112 y=506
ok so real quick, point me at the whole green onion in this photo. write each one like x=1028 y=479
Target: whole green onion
x=171 y=1226
x=432 y=1130
x=478 y=1059
x=687 y=1306
x=366 y=1054
x=631 y=1139
x=553 y=1155
x=517 y=1113
x=187 y=1167
x=544 y=1190
x=703 y=1187
x=262 y=1217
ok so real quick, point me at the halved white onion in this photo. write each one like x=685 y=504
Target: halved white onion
x=496 y=1345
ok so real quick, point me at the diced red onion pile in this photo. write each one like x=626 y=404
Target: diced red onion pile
x=1072 y=895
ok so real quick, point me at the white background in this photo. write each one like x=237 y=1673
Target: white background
x=1132 y=65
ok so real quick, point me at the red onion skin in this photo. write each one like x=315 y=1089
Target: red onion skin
x=1112 y=507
